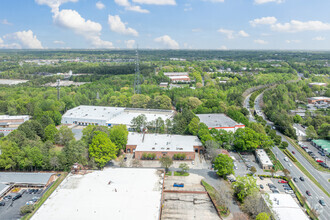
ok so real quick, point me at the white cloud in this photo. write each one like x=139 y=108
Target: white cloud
x=5 y=22
x=223 y=47
x=258 y=41
x=129 y=7
x=1 y=41
x=263 y=20
x=116 y=25
x=155 y=2
x=22 y=39
x=297 y=26
x=319 y=38
x=58 y=42
x=187 y=7
x=99 y=5
x=130 y=43
x=243 y=33
x=259 y=2
x=167 y=41
x=228 y=33
x=72 y=20
x=293 y=41
x=196 y=30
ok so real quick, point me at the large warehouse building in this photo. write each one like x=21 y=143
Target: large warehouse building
x=163 y=145
x=219 y=121
x=108 y=116
x=10 y=123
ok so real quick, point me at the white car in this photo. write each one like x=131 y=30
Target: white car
x=286 y=159
x=290 y=165
x=192 y=162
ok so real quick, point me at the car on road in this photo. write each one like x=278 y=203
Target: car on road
x=2 y=203
x=295 y=179
x=302 y=178
x=289 y=164
x=293 y=152
x=322 y=202
x=308 y=193
x=282 y=181
x=261 y=186
x=286 y=159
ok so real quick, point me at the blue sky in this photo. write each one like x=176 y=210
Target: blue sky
x=165 y=24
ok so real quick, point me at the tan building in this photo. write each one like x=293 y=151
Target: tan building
x=263 y=159
x=314 y=100
x=160 y=145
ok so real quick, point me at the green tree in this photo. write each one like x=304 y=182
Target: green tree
x=224 y=165
x=64 y=136
x=140 y=101
x=118 y=136
x=297 y=119
x=139 y=122
x=75 y=152
x=284 y=145
x=311 y=133
x=166 y=162
x=9 y=156
x=102 y=149
x=193 y=126
x=184 y=168
x=253 y=169
x=244 y=186
x=246 y=139
x=263 y=216
x=51 y=132
x=324 y=131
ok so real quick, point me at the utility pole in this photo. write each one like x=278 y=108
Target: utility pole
x=58 y=89
x=137 y=80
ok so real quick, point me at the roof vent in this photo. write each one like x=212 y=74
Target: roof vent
x=153 y=148
x=167 y=148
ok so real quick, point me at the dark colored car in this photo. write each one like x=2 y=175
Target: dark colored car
x=308 y=193
x=295 y=179
x=287 y=188
x=261 y=177
x=261 y=186
x=7 y=197
x=17 y=197
x=293 y=152
x=324 y=165
x=321 y=153
x=125 y=158
x=322 y=202
x=2 y=203
x=302 y=178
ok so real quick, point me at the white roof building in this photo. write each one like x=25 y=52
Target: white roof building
x=263 y=159
x=219 y=121
x=109 y=116
x=284 y=207
x=163 y=142
x=9 y=123
x=176 y=74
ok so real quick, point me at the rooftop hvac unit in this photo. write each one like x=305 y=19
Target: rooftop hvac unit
x=167 y=148
x=153 y=148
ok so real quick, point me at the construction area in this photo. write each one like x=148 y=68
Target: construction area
x=112 y=193
x=188 y=202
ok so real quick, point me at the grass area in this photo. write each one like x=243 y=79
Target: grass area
x=46 y=195
x=180 y=174
x=168 y=173
x=288 y=153
x=222 y=210
x=303 y=169
x=277 y=164
x=315 y=164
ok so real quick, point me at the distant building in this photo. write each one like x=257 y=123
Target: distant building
x=318 y=100
x=322 y=145
x=10 y=123
x=163 y=84
x=220 y=121
x=108 y=116
x=178 y=76
x=284 y=207
x=263 y=159
x=163 y=145
x=317 y=84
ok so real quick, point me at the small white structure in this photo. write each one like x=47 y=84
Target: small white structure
x=219 y=121
x=284 y=207
x=108 y=116
x=263 y=159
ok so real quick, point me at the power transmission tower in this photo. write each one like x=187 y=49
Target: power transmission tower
x=137 y=80
x=58 y=89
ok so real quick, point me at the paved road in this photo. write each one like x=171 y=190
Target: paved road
x=317 y=194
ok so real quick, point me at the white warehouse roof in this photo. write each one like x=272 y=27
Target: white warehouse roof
x=263 y=157
x=286 y=208
x=218 y=121
x=163 y=142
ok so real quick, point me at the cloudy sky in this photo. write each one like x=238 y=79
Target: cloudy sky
x=165 y=24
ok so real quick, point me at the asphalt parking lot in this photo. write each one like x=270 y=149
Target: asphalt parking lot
x=241 y=165
x=274 y=181
x=11 y=210
x=316 y=152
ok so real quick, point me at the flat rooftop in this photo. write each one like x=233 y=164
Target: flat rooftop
x=94 y=112
x=217 y=120
x=132 y=194
x=163 y=142
x=319 y=98
x=264 y=159
x=12 y=81
x=176 y=73
x=30 y=178
x=324 y=144
x=286 y=207
x=11 y=117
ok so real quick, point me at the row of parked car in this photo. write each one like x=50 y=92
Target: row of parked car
x=19 y=195
x=315 y=157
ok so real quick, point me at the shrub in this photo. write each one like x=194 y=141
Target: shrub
x=144 y=156
x=26 y=209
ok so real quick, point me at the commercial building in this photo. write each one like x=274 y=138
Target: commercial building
x=220 y=121
x=178 y=76
x=318 y=100
x=163 y=145
x=322 y=145
x=284 y=207
x=163 y=84
x=263 y=159
x=317 y=84
x=10 y=123
x=108 y=116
